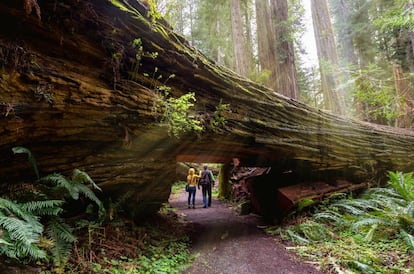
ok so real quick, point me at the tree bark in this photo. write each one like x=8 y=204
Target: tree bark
x=239 y=41
x=57 y=98
x=327 y=56
x=266 y=42
x=287 y=83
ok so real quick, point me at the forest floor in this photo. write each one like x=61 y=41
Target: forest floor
x=224 y=242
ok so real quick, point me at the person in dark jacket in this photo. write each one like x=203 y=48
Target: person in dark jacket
x=207 y=182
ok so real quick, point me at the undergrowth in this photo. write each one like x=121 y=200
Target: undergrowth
x=32 y=230
x=372 y=233
x=160 y=245
x=38 y=234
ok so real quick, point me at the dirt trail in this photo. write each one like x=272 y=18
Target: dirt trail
x=227 y=243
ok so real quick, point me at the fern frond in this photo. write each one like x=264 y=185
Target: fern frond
x=409 y=210
x=369 y=222
x=370 y=235
x=380 y=192
x=363 y=204
x=363 y=268
x=79 y=176
x=60 y=182
x=24 y=236
x=3 y=242
x=403 y=184
x=408 y=239
x=330 y=215
x=10 y=208
x=347 y=207
x=44 y=208
x=61 y=236
x=21 y=230
x=296 y=237
x=91 y=195
x=384 y=202
x=30 y=158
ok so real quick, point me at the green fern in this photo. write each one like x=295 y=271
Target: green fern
x=62 y=238
x=348 y=206
x=409 y=240
x=21 y=232
x=295 y=237
x=30 y=158
x=79 y=176
x=403 y=184
x=44 y=208
x=20 y=223
x=330 y=215
x=75 y=186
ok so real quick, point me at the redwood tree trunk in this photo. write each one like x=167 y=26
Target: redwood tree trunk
x=287 y=83
x=239 y=41
x=327 y=56
x=266 y=43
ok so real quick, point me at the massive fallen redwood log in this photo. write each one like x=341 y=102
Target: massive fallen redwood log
x=79 y=85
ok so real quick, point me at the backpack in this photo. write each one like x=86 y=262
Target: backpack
x=205 y=178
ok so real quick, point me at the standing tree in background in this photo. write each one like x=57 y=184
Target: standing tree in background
x=327 y=56
x=266 y=44
x=380 y=39
x=343 y=29
x=212 y=31
x=243 y=66
x=175 y=12
x=285 y=55
x=247 y=15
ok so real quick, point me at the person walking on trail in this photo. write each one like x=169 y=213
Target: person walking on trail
x=207 y=182
x=192 y=184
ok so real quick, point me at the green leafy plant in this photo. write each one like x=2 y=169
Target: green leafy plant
x=73 y=187
x=30 y=158
x=153 y=12
x=375 y=97
x=178 y=117
x=21 y=228
x=360 y=233
x=219 y=118
x=32 y=230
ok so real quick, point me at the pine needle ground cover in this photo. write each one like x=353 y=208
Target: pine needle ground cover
x=373 y=233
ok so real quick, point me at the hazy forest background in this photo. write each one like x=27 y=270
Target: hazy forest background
x=352 y=57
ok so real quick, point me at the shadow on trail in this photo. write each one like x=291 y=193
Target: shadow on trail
x=227 y=243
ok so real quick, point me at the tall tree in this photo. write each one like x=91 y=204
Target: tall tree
x=285 y=57
x=266 y=44
x=239 y=41
x=327 y=56
x=213 y=32
x=362 y=33
x=343 y=29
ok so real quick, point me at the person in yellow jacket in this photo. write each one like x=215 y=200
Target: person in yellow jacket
x=192 y=186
